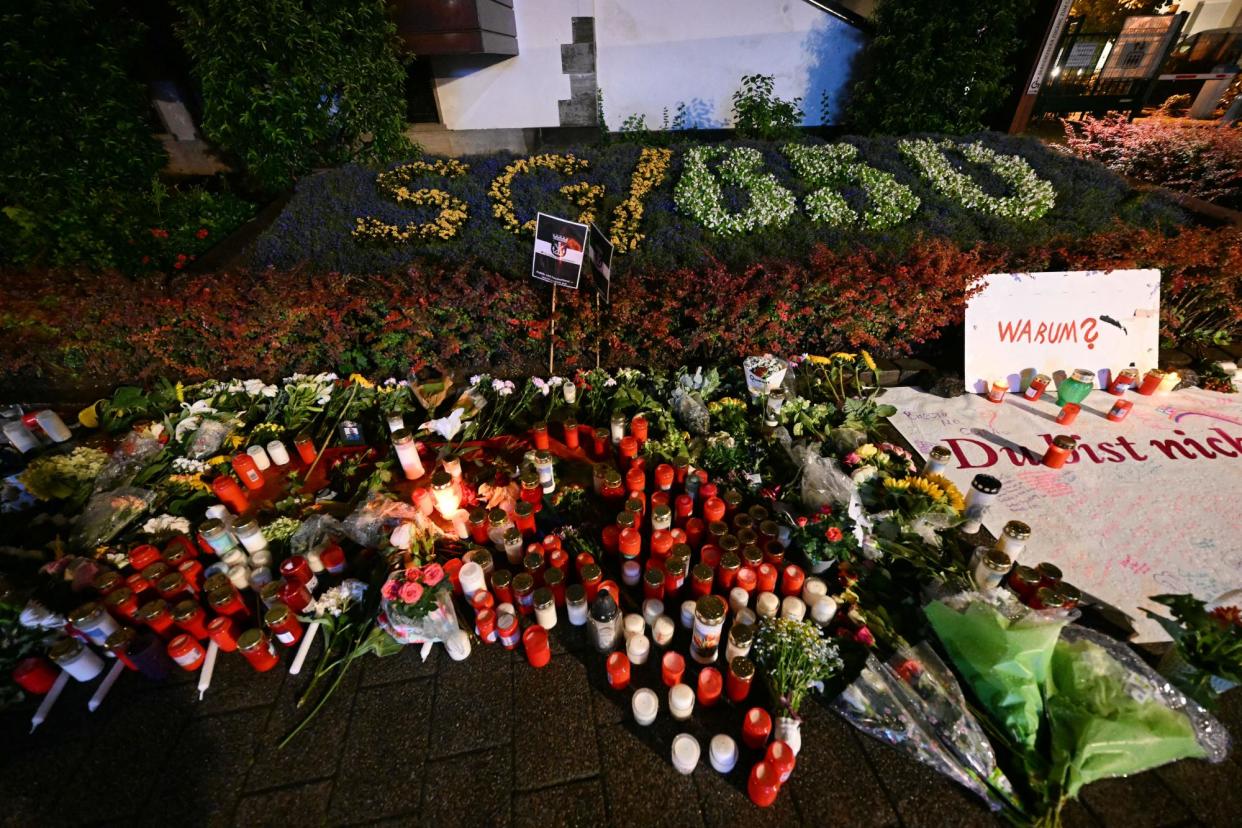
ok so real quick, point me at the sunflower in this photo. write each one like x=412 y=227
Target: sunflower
x=868 y=361
x=816 y=359
x=843 y=356
x=952 y=495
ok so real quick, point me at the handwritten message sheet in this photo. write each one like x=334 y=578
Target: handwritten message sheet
x=1150 y=505
x=1022 y=324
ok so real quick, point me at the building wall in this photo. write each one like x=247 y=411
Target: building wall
x=1212 y=14
x=647 y=55
x=654 y=54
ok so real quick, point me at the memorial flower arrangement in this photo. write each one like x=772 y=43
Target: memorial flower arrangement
x=1206 y=656
x=64 y=476
x=393 y=532
x=501 y=190
x=826 y=535
x=627 y=218
x=833 y=167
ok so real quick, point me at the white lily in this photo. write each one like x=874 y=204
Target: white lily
x=446 y=427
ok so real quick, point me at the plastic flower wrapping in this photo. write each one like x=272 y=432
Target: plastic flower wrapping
x=416 y=605
x=1072 y=705
x=914 y=703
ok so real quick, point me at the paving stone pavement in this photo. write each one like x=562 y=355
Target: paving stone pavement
x=489 y=742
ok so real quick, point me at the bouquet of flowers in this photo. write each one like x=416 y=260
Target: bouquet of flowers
x=764 y=374
x=795 y=658
x=64 y=476
x=825 y=536
x=417 y=605
x=1206 y=657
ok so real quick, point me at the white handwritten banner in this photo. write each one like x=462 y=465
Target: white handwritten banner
x=1023 y=324
x=1150 y=505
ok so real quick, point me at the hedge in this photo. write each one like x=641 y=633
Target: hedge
x=316 y=229
x=61 y=332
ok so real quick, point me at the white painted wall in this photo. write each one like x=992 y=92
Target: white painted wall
x=519 y=91
x=654 y=54
x=1212 y=14
x=651 y=54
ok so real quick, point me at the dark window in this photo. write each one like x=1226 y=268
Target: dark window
x=420 y=95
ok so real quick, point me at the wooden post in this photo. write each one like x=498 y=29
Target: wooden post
x=552 y=334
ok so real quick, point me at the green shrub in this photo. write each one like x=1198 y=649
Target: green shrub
x=289 y=85
x=936 y=65
x=76 y=151
x=758 y=113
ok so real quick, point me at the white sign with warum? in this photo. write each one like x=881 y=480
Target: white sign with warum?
x=1023 y=324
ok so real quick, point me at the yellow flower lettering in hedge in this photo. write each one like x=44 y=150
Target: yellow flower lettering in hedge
x=648 y=174
x=453 y=212
x=581 y=193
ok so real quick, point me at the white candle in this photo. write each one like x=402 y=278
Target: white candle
x=637 y=649
x=653 y=608
x=260 y=458
x=793 y=608
x=303 y=649
x=685 y=753
x=812 y=590
x=407 y=454
x=279 y=454
x=681 y=701
x=45 y=708
x=634 y=625
x=646 y=704
x=738 y=599
x=105 y=686
x=209 y=667
x=767 y=605
x=662 y=631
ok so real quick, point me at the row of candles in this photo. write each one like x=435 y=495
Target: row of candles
x=1075 y=388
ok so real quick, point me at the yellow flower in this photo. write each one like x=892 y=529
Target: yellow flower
x=816 y=359
x=952 y=495
x=893 y=484
x=866 y=450
x=237 y=441
x=361 y=380
x=180 y=389
x=869 y=361
x=217 y=460
x=843 y=356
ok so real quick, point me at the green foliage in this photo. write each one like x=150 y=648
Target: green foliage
x=291 y=85
x=936 y=65
x=758 y=113
x=76 y=151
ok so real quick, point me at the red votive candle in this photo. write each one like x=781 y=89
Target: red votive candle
x=35 y=675
x=248 y=471
x=306 y=448
x=1120 y=410
x=701 y=580
x=713 y=509
x=186 y=652
x=571 y=434
x=738 y=681
x=664 y=477
x=610 y=538
x=230 y=494
x=257 y=649
x=223 y=631
x=638 y=428
x=628 y=450
x=782 y=759
x=539 y=435
x=756 y=726
x=710 y=685
x=1059 y=451
x=683 y=509
x=792 y=579
x=452 y=569
x=1068 y=413
x=535 y=643
x=695 y=529
x=746 y=578
x=765 y=578
x=142 y=556
x=618 y=667
x=763 y=784
x=653 y=584
x=629 y=543
x=672 y=667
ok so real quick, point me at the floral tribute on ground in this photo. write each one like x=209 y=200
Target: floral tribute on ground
x=700 y=529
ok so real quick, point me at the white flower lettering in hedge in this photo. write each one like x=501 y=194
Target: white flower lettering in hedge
x=1032 y=196
x=831 y=166
x=698 y=193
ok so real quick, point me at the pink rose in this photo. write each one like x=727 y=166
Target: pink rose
x=390 y=590
x=864 y=637
x=801 y=520
x=411 y=592
x=853 y=459
x=833 y=534
x=433 y=574
x=413 y=574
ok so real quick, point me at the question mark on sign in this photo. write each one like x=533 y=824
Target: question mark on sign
x=1089 y=334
